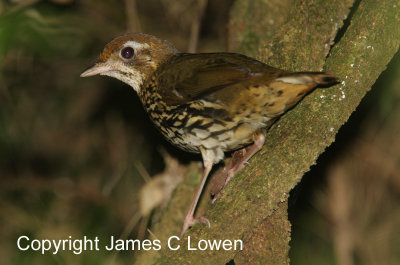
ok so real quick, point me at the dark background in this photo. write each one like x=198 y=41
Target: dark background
x=73 y=151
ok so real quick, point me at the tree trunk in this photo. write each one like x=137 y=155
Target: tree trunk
x=293 y=35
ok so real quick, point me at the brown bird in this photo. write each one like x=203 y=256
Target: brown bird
x=207 y=103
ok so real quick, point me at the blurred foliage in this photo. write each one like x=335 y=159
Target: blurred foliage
x=70 y=148
x=66 y=167
x=346 y=210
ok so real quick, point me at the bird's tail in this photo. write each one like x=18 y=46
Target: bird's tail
x=308 y=78
x=323 y=79
x=291 y=88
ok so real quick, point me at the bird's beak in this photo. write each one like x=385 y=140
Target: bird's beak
x=97 y=69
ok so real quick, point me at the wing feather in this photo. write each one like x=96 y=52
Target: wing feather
x=201 y=76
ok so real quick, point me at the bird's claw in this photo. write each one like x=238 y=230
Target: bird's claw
x=190 y=221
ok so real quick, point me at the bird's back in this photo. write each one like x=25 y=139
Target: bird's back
x=219 y=100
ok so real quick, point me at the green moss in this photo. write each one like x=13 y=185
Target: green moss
x=296 y=140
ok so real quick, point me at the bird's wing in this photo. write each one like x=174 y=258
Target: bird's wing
x=207 y=76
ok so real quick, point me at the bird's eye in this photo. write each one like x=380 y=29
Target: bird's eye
x=127 y=52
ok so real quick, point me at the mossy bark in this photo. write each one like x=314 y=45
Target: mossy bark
x=253 y=205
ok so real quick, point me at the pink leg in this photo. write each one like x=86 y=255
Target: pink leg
x=236 y=163
x=189 y=219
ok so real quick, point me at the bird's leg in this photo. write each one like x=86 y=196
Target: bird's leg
x=236 y=163
x=189 y=219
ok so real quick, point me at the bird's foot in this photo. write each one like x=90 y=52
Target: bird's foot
x=236 y=163
x=221 y=178
x=190 y=221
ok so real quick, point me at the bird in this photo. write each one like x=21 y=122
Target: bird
x=206 y=103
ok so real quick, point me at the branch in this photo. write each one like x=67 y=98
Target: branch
x=294 y=143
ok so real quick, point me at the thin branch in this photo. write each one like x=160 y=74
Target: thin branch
x=132 y=16
x=299 y=137
x=196 y=26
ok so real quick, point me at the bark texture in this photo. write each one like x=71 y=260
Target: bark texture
x=294 y=35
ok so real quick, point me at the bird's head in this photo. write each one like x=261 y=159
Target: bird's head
x=132 y=58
